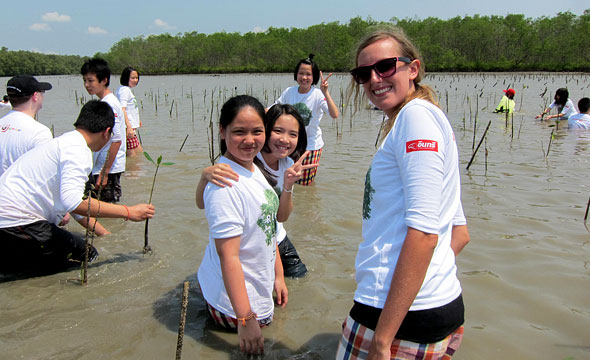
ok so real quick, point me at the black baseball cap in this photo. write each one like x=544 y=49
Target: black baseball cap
x=24 y=85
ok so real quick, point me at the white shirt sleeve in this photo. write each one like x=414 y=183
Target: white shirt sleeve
x=420 y=154
x=224 y=210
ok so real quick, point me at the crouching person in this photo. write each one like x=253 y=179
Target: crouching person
x=48 y=182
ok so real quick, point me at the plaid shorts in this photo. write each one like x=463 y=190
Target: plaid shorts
x=229 y=323
x=308 y=175
x=356 y=341
x=132 y=143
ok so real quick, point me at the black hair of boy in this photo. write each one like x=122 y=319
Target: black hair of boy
x=95 y=116
x=315 y=70
x=584 y=105
x=98 y=67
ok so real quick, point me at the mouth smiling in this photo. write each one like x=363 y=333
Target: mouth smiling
x=382 y=91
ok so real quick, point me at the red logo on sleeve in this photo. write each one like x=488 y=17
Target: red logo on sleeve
x=421 y=145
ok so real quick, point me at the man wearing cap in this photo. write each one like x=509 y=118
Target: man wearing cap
x=19 y=131
x=506 y=104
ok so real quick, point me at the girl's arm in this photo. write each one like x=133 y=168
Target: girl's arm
x=217 y=174
x=129 y=129
x=280 y=285
x=332 y=108
x=137 y=212
x=408 y=277
x=249 y=335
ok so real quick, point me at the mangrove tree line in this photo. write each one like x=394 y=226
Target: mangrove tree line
x=471 y=43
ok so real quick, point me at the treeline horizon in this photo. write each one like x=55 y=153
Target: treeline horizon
x=460 y=44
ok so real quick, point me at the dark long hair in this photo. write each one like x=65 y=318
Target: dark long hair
x=562 y=95
x=271 y=118
x=126 y=74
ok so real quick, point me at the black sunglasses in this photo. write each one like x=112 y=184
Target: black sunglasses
x=384 y=68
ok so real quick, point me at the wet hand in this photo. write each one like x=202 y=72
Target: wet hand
x=250 y=337
x=281 y=291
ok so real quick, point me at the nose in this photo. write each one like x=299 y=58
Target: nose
x=375 y=77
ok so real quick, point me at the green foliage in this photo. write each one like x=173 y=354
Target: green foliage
x=471 y=43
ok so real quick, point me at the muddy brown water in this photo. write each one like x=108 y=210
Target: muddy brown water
x=525 y=274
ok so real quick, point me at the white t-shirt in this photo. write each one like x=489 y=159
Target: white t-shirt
x=46 y=182
x=128 y=101
x=247 y=209
x=19 y=133
x=4 y=105
x=119 y=135
x=279 y=174
x=579 y=121
x=311 y=106
x=413 y=182
x=568 y=109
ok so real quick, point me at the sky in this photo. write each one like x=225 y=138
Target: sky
x=68 y=27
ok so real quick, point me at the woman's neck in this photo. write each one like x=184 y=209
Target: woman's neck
x=302 y=90
x=271 y=161
x=248 y=165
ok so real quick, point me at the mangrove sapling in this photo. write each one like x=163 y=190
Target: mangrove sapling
x=181 y=146
x=550 y=140
x=146 y=247
x=586 y=214
x=479 y=144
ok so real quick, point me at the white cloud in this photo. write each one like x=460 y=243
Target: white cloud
x=55 y=17
x=40 y=27
x=96 y=30
x=258 y=29
x=162 y=24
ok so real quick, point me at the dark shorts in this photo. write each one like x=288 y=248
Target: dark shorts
x=40 y=247
x=292 y=264
x=111 y=192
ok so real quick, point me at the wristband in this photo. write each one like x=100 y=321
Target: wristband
x=289 y=191
x=251 y=315
x=128 y=214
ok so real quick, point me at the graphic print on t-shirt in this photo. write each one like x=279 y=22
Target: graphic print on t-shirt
x=267 y=222
x=304 y=112
x=368 y=197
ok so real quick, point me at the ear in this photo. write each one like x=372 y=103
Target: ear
x=414 y=68
x=221 y=133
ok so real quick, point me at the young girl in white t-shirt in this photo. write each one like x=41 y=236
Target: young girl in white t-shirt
x=239 y=269
x=311 y=103
x=282 y=157
x=129 y=80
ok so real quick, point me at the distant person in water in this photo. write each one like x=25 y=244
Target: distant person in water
x=30 y=240
x=129 y=80
x=5 y=103
x=311 y=103
x=565 y=106
x=109 y=162
x=582 y=119
x=506 y=104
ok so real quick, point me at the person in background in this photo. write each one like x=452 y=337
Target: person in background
x=109 y=162
x=311 y=103
x=565 y=106
x=30 y=240
x=506 y=104
x=5 y=103
x=408 y=303
x=582 y=119
x=129 y=80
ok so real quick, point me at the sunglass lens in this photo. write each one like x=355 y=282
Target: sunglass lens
x=386 y=67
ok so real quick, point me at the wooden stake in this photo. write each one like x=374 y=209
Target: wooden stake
x=182 y=322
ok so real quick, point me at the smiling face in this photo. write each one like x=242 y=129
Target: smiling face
x=389 y=92
x=283 y=138
x=304 y=78
x=133 y=79
x=244 y=137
